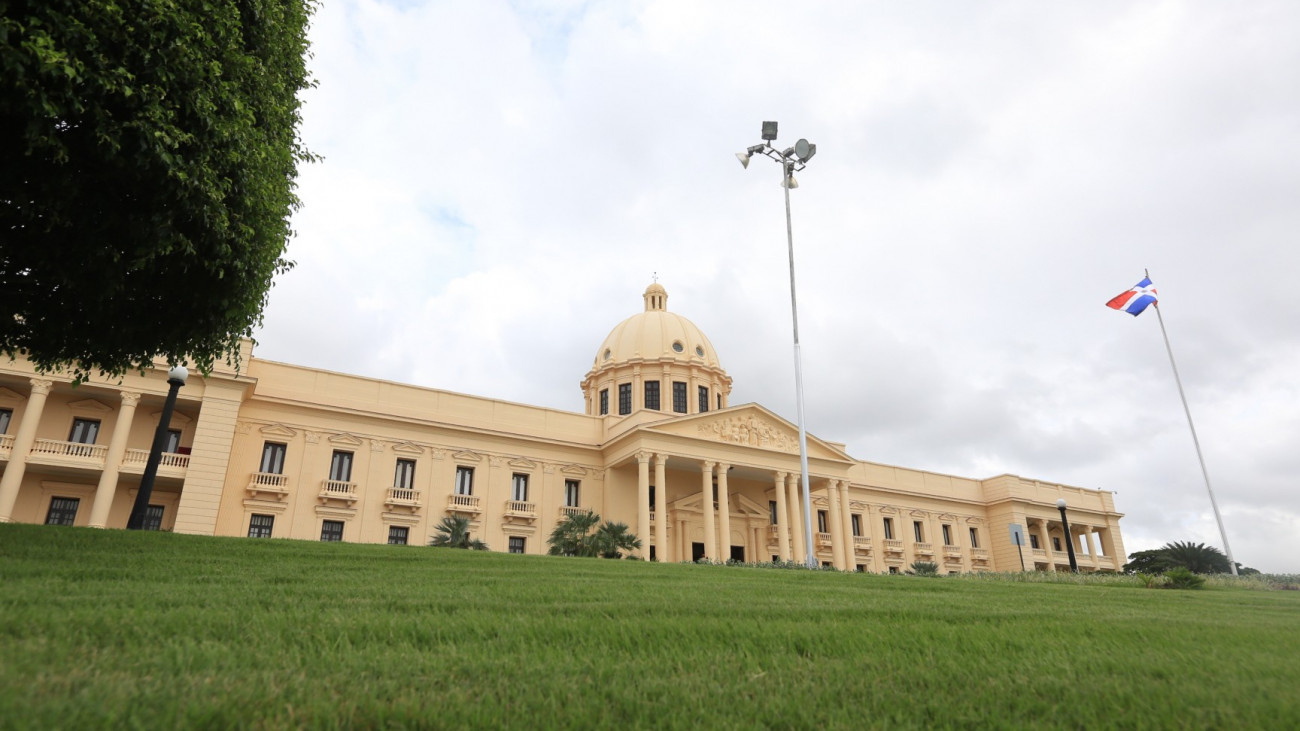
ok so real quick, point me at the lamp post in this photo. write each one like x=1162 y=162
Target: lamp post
x=175 y=379
x=1069 y=540
x=792 y=159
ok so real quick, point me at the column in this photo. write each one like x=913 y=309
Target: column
x=13 y=477
x=661 y=505
x=836 y=525
x=643 y=502
x=782 y=518
x=1046 y=540
x=706 y=503
x=1092 y=547
x=724 y=514
x=846 y=527
x=796 y=518
x=638 y=401
x=116 y=447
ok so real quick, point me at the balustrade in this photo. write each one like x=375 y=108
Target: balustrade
x=268 y=482
x=338 y=490
x=824 y=539
x=521 y=509
x=73 y=452
x=862 y=544
x=463 y=504
x=923 y=548
x=567 y=511
x=403 y=496
x=893 y=545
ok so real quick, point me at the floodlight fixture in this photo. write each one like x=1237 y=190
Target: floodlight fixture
x=769 y=131
x=790 y=182
x=743 y=157
x=804 y=150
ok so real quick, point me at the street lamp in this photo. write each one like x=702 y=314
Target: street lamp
x=175 y=379
x=792 y=159
x=1069 y=541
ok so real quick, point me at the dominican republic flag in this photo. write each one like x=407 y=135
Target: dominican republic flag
x=1136 y=299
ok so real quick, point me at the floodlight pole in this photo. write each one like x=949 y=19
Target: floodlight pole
x=792 y=161
x=1069 y=539
x=175 y=379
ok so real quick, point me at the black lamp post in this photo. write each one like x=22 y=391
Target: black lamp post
x=1069 y=540
x=175 y=379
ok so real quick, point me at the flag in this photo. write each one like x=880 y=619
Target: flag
x=1136 y=299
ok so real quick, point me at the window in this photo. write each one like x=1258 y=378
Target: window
x=571 y=493
x=604 y=401
x=719 y=401
x=404 y=475
x=464 y=480
x=1056 y=543
x=341 y=467
x=5 y=416
x=397 y=535
x=259 y=526
x=331 y=531
x=893 y=569
x=771 y=511
x=821 y=521
x=704 y=399
x=974 y=538
x=679 y=397
x=1033 y=541
x=153 y=515
x=652 y=395
x=84 y=431
x=624 y=399
x=889 y=529
x=652 y=496
x=516 y=544
x=63 y=511
x=273 y=458
x=918 y=532
x=947 y=535
x=861 y=569
x=173 y=441
x=520 y=488
x=857 y=524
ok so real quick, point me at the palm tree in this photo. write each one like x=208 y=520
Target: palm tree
x=1197 y=557
x=612 y=539
x=453 y=532
x=573 y=535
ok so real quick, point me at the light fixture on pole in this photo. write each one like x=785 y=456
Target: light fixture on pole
x=175 y=379
x=1069 y=540
x=792 y=159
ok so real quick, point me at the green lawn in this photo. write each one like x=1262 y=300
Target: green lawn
x=115 y=629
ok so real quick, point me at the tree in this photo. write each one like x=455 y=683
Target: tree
x=148 y=153
x=573 y=535
x=612 y=540
x=453 y=532
x=1195 y=557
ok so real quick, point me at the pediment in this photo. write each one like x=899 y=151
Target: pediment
x=738 y=505
x=89 y=405
x=948 y=517
x=573 y=469
x=919 y=514
x=345 y=439
x=278 y=430
x=522 y=464
x=408 y=448
x=750 y=425
x=466 y=456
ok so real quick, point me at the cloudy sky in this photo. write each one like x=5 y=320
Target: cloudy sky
x=500 y=181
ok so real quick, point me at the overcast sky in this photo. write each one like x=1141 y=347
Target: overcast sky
x=500 y=181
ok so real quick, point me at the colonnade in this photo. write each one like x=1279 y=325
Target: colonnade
x=1095 y=536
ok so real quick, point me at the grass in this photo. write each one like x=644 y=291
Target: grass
x=154 y=630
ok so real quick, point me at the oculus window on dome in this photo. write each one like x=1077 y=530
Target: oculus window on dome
x=678 y=347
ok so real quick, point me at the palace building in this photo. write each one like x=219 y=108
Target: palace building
x=289 y=451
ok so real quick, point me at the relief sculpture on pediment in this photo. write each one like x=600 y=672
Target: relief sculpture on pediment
x=751 y=431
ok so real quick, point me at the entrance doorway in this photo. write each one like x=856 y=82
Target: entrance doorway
x=738 y=553
x=697 y=551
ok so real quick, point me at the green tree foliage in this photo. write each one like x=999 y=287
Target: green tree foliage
x=1195 y=557
x=453 y=532
x=583 y=534
x=148 y=152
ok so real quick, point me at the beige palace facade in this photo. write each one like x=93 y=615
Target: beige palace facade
x=289 y=451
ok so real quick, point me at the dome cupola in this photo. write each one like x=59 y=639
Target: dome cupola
x=655 y=360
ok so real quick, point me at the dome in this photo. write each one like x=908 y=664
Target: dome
x=656 y=335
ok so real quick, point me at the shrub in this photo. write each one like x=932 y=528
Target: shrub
x=925 y=568
x=1183 y=578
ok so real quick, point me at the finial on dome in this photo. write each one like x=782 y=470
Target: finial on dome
x=656 y=297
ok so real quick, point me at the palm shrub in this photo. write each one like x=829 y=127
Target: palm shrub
x=1182 y=577
x=453 y=532
x=613 y=539
x=925 y=568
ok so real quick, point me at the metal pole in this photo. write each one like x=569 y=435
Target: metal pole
x=1205 y=473
x=798 y=377
x=1069 y=540
x=136 y=521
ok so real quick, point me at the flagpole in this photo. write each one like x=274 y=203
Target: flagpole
x=1205 y=473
